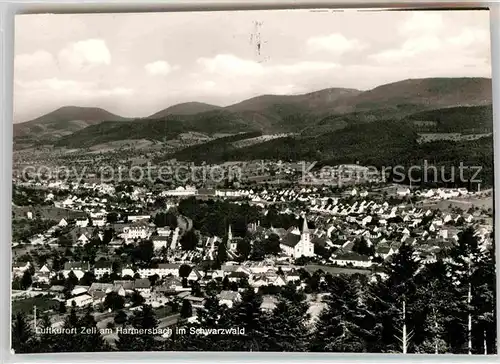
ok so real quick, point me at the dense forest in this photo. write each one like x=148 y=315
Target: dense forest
x=163 y=129
x=462 y=119
x=379 y=144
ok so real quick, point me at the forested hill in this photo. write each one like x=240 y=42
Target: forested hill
x=461 y=119
x=169 y=127
x=315 y=113
x=380 y=144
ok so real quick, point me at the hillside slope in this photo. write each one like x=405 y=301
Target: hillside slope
x=311 y=114
x=186 y=108
x=167 y=128
x=65 y=120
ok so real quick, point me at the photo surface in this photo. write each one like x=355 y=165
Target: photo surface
x=278 y=181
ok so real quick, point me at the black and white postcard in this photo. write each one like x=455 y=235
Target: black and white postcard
x=279 y=181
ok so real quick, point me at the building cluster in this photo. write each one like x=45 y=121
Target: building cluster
x=351 y=231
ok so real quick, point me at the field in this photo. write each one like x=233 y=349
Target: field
x=260 y=139
x=485 y=202
x=431 y=137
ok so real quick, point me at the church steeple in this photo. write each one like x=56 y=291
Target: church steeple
x=305 y=236
x=229 y=238
x=305 y=228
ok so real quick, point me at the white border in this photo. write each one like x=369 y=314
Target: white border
x=7 y=11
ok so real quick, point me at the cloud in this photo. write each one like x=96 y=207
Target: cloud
x=38 y=59
x=300 y=67
x=85 y=53
x=410 y=48
x=470 y=42
x=53 y=84
x=334 y=43
x=422 y=22
x=229 y=63
x=116 y=91
x=289 y=89
x=158 y=68
x=70 y=87
x=469 y=37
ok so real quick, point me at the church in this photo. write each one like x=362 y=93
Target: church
x=296 y=243
x=232 y=243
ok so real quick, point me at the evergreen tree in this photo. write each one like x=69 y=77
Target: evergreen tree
x=286 y=328
x=121 y=318
x=393 y=302
x=113 y=301
x=463 y=259
x=92 y=340
x=186 y=309
x=69 y=283
x=189 y=241
x=143 y=320
x=222 y=256
x=225 y=283
x=436 y=307
x=22 y=334
x=344 y=325
x=26 y=280
x=62 y=307
x=70 y=340
x=248 y=315
x=483 y=303
x=46 y=343
x=184 y=270
x=243 y=249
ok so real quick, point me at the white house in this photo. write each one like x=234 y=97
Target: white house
x=159 y=242
x=182 y=191
x=136 y=231
x=63 y=223
x=163 y=231
x=43 y=275
x=352 y=259
x=78 y=268
x=80 y=301
x=100 y=221
x=134 y=218
x=228 y=298
x=163 y=270
x=194 y=275
x=83 y=239
x=403 y=192
x=128 y=272
x=82 y=222
x=102 y=267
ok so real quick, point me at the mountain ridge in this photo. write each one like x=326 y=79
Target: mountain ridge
x=323 y=110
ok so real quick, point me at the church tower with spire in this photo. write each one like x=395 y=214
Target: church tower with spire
x=305 y=236
x=231 y=245
x=306 y=246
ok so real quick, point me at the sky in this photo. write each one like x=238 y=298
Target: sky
x=137 y=64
